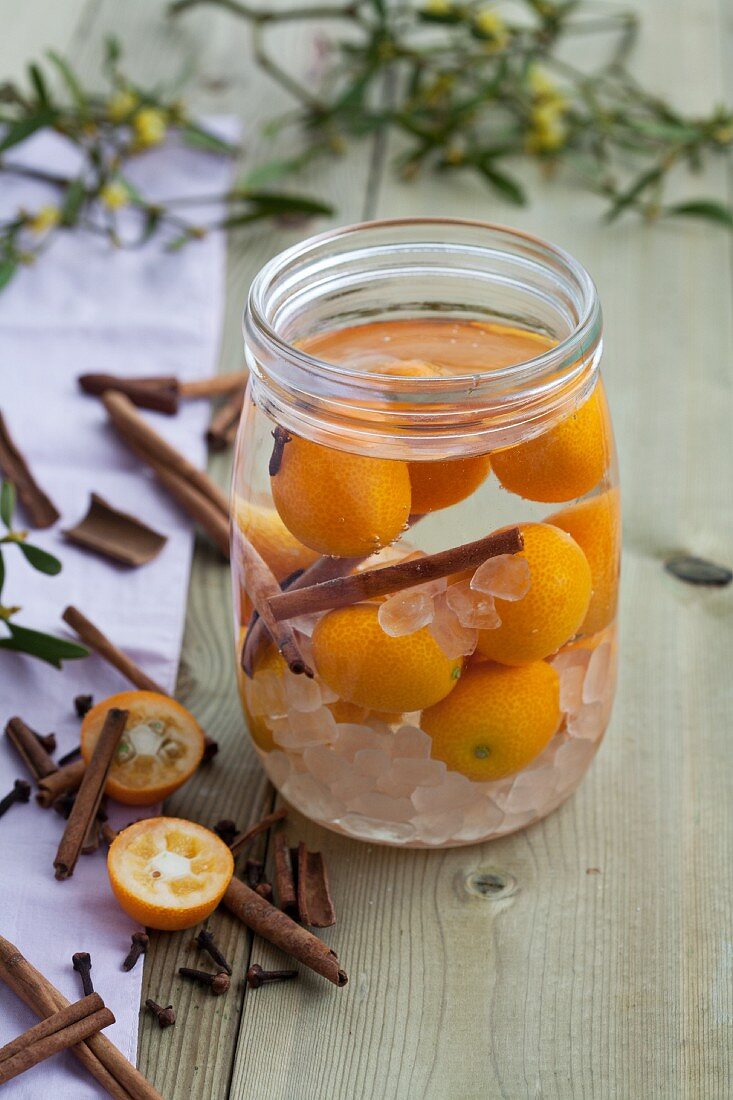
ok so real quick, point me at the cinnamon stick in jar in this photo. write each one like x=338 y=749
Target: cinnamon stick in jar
x=86 y=806
x=276 y=927
x=344 y=591
x=25 y=742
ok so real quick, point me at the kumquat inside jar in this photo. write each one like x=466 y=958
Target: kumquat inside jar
x=426 y=530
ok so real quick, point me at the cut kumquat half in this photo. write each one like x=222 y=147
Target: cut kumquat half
x=160 y=749
x=168 y=873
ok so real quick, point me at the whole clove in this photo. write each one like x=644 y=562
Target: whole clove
x=166 y=1017
x=218 y=983
x=82 y=963
x=138 y=946
x=47 y=741
x=211 y=748
x=83 y=704
x=70 y=756
x=256 y=976
x=253 y=873
x=205 y=940
x=226 y=830
x=21 y=792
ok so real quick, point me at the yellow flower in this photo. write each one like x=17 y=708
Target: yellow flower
x=121 y=105
x=149 y=125
x=114 y=195
x=544 y=88
x=44 y=219
x=489 y=24
x=548 y=130
x=438 y=7
x=723 y=135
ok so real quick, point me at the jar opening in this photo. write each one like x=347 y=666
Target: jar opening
x=418 y=268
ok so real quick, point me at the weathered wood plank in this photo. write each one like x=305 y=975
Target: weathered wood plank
x=564 y=983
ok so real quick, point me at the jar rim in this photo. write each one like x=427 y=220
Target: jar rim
x=484 y=402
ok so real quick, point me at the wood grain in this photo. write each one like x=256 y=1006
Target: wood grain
x=503 y=970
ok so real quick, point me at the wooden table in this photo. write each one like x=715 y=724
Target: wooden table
x=508 y=969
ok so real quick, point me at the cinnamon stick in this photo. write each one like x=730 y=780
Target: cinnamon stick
x=392 y=578
x=133 y=428
x=76 y=1011
x=162 y=393
x=315 y=904
x=201 y=509
x=223 y=427
x=242 y=839
x=97 y=1054
x=321 y=570
x=39 y=508
x=99 y=642
x=62 y=781
x=276 y=927
x=87 y=802
x=217 y=386
x=68 y=1029
x=262 y=587
x=284 y=882
x=25 y=742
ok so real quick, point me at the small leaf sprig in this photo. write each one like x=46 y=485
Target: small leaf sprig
x=110 y=129
x=471 y=86
x=22 y=639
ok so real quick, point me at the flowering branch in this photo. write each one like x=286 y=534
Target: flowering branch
x=109 y=130
x=465 y=89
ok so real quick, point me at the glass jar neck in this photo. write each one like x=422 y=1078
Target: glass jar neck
x=421 y=268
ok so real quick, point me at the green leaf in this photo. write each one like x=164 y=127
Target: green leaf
x=43 y=646
x=39 y=84
x=506 y=185
x=24 y=127
x=73 y=201
x=40 y=559
x=112 y=51
x=69 y=78
x=150 y=224
x=708 y=209
x=270 y=172
x=8 y=268
x=177 y=243
x=7 y=503
x=198 y=138
x=274 y=202
x=2 y=574
x=133 y=192
x=628 y=197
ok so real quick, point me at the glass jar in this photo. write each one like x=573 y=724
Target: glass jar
x=417 y=386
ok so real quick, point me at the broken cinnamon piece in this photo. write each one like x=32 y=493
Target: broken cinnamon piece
x=261 y=586
x=39 y=508
x=242 y=839
x=98 y=1055
x=162 y=394
x=63 y=781
x=315 y=905
x=284 y=882
x=91 y=790
x=117 y=535
x=393 y=578
x=277 y=928
x=64 y=1029
x=25 y=742
x=222 y=430
x=219 y=385
x=99 y=642
x=133 y=428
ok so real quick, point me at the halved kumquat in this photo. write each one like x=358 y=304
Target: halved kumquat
x=168 y=873
x=160 y=749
